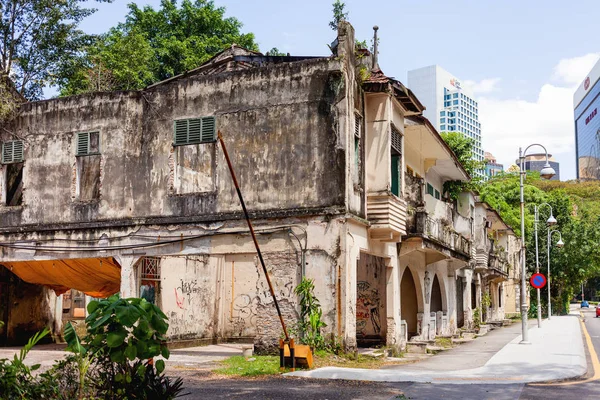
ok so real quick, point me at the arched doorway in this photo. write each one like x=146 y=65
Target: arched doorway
x=408 y=302
x=436 y=295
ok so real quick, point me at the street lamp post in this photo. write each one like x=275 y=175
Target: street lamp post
x=547 y=172
x=550 y=222
x=559 y=244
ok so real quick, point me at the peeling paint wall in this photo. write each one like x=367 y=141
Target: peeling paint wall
x=281 y=124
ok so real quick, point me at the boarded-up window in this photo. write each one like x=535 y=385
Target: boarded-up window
x=149 y=273
x=194 y=168
x=88 y=177
x=88 y=166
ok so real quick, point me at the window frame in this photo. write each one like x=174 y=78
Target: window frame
x=89 y=141
x=13 y=160
x=200 y=134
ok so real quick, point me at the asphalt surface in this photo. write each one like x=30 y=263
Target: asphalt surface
x=205 y=387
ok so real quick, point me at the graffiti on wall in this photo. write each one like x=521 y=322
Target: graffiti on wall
x=244 y=314
x=193 y=298
x=368 y=303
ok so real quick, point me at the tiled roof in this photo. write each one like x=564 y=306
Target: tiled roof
x=378 y=76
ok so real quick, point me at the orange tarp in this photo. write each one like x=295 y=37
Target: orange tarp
x=96 y=277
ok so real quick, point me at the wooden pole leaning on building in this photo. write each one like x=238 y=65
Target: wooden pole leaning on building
x=288 y=341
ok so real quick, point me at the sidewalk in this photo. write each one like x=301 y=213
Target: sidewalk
x=556 y=352
x=203 y=357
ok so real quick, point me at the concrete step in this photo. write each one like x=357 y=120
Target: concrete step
x=436 y=349
x=417 y=347
x=462 y=340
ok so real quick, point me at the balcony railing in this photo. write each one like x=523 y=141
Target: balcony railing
x=387 y=215
x=438 y=231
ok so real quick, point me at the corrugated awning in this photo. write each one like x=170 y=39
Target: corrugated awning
x=96 y=277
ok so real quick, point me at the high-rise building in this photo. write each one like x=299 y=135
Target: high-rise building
x=535 y=162
x=586 y=102
x=492 y=168
x=449 y=105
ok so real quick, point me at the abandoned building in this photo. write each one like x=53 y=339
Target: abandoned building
x=128 y=192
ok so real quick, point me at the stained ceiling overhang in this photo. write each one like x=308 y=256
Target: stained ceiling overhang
x=96 y=277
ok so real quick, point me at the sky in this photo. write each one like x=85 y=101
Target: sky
x=523 y=59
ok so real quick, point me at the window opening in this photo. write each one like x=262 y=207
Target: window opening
x=150 y=279
x=14 y=184
x=396 y=162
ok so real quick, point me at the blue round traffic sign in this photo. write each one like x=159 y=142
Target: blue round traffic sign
x=538 y=280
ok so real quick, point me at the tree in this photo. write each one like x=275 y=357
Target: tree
x=9 y=99
x=339 y=14
x=462 y=146
x=153 y=45
x=578 y=222
x=274 y=52
x=36 y=37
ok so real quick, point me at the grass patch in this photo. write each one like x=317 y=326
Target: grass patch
x=444 y=342
x=239 y=366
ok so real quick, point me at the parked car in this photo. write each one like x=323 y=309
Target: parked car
x=598 y=311
x=585 y=304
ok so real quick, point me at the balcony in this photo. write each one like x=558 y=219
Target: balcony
x=387 y=215
x=436 y=238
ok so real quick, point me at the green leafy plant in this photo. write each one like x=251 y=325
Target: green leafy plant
x=17 y=380
x=310 y=323
x=82 y=358
x=125 y=335
x=486 y=300
x=477 y=318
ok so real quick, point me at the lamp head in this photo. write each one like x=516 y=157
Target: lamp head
x=547 y=172
x=551 y=221
x=560 y=243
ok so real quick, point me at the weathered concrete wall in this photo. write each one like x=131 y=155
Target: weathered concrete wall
x=31 y=310
x=371 y=314
x=280 y=123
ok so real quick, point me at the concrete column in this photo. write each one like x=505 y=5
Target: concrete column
x=394 y=331
x=128 y=276
x=346 y=294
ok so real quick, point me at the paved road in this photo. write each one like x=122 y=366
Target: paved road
x=290 y=388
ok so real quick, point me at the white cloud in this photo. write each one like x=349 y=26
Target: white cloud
x=484 y=86
x=572 y=71
x=512 y=123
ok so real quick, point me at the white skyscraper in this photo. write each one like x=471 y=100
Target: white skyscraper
x=449 y=106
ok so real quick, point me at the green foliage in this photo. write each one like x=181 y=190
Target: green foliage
x=125 y=335
x=462 y=146
x=486 y=300
x=477 y=318
x=37 y=37
x=310 y=315
x=361 y=44
x=576 y=206
x=339 y=14
x=275 y=52
x=153 y=45
x=17 y=380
